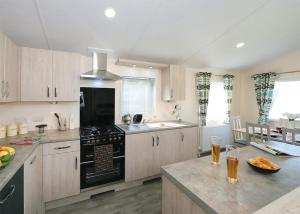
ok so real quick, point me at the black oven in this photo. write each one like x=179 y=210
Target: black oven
x=102 y=144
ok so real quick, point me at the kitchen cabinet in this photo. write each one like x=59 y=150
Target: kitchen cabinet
x=173 y=83
x=49 y=75
x=9 y=70
x=33 y=183
x=61 y=170
x=36 y=74
x=12 y=195
x=188 y=144
x=139 y=155
x=66 y=76
x=145 y=153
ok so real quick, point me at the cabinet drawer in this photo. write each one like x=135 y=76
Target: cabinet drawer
x=61 y=147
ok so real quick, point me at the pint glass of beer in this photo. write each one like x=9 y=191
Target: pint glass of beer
x=215 y=153
x=232 y=159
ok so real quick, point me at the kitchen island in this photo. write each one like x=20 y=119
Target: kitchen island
x=196 y=186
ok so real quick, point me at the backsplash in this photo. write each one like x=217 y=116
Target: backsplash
x=34 y=113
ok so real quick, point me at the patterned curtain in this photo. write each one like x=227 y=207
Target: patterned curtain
x=264 y=87
x=202 y=90
x=228 y=87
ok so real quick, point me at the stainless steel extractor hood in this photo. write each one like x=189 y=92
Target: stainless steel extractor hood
x=99 y=71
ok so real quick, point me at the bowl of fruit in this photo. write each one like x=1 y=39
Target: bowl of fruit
x=6 y=155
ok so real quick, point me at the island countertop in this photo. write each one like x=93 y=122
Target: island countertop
x=206 y=184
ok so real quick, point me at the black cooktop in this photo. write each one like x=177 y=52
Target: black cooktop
x=99 y=131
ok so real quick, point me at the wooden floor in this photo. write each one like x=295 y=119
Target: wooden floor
x=138 y=200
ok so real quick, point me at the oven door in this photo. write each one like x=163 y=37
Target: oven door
x=90 y=177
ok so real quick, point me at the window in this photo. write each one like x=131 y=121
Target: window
x=285 y=99
x=217 y=107
x=138 y=96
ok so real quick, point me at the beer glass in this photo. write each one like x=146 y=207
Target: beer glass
x=232 y=159
x=215 y=153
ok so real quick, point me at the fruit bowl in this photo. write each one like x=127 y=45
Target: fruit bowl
x=7 y=154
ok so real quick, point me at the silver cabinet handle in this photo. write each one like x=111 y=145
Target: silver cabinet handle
x=76 y=163
x=55 y=92
x=10 y=194
x=2 y=88
x=182 y=137
x=7 y=89
x=157 y=141
x=152 y=141
x=33 y=159
x=171 y=93
x=62 y=147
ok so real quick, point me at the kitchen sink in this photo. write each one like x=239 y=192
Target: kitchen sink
x=165 y=125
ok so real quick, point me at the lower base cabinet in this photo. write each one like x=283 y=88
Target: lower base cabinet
x=146 y=152
x=12 y=195
x=33 y=183
x=61 y=170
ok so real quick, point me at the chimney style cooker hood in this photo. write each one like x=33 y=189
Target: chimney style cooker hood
x=99 y=71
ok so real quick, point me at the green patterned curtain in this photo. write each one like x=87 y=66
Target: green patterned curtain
x=264 y=87
x=228 y=87
x=202 y=90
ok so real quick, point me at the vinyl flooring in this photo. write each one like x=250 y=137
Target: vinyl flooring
x=144 y=199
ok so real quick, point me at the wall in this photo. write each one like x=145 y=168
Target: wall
x=41 y=112
x=285 y=63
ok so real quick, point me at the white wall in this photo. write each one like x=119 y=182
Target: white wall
x=43 y=112
x=285 y=63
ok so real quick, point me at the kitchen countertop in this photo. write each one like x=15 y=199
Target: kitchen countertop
x=24 y=151
x=141 y=128
x=207 y=186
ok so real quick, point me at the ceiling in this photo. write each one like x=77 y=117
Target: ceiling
x=198 y=33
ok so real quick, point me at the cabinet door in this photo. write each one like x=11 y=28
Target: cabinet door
x=188 y=143
x=168 y=147
x=61 y=175
x=11 y=74
x=2 y=52
x=12 y=195
x=177 y=82
x=139 y=151
x=36 y=74
x=66 y=76
x=33 y=185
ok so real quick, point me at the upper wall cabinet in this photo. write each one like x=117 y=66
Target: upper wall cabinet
x=36 y=75
x=173 y=83
x=66 y=76
x=49 y=75
x=9 y=72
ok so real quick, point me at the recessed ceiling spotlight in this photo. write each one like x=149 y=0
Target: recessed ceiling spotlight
x=110 y=12
x=240 y=45
x=150 y=67
x=134 y=65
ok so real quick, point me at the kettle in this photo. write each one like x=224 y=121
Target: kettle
x=126 y=119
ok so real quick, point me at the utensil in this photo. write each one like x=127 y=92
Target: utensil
x=58 y=119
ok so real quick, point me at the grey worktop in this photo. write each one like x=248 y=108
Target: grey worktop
x=141 y=128
x=24 y=151
x=207 y=186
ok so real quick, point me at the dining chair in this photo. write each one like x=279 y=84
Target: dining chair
x=237 y=131
x=257 y=131
x=295 y=136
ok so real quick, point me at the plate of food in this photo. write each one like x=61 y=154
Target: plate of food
x=6 y=155
x=263 y=165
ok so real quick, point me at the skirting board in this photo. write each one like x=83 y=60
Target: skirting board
x=87 y=193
